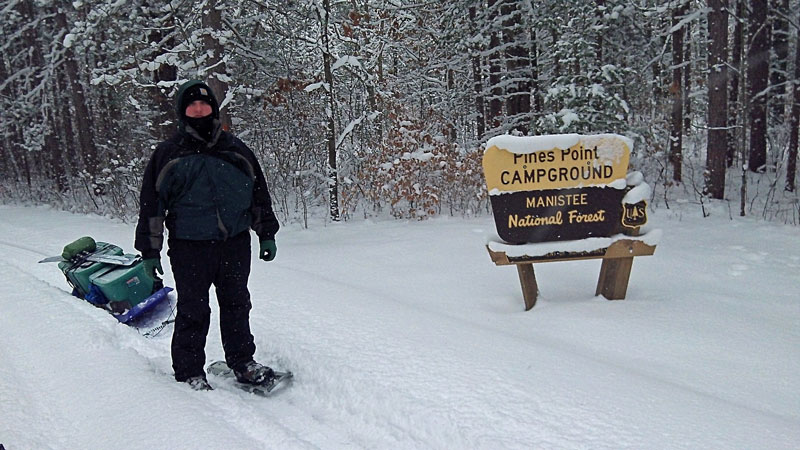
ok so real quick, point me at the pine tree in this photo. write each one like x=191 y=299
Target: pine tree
x=677 y=90
x=757 y=76
x=794 y=119
x=717 y=99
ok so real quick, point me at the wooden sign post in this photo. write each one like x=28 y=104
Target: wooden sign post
x=564 y=198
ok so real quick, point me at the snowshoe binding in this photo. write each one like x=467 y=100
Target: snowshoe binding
x=199 y=383
x=252 y=377
x=254 y=373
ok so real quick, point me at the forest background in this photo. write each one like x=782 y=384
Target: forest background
x=367 y=108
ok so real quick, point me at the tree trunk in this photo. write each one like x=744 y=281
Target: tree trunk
x=46 y=156
x=218 y=76
x=6 y=123
x=165 y=125
x=80 y=102
x=794 y=120
x=687 y=72
x=599 y=12
x=717 y=98
x=10 y=168
x=55 y=152
x=536 y=91
x=161 y=36
x=333 y=176
x=25 y=9
x=518 y=91
x=38 y=116
x=107 y=116
x=735 y=74
x=72 y=156
x=779 y=42
x=477 y=79
x=495 y=99
x=676 y=129
x=757 y=76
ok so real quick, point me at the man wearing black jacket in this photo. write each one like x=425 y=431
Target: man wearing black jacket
x=208 y=188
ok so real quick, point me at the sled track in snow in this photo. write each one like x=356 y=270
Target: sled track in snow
x=257 y=418
x=25 y=265
x=24 y=247
x=264 y=421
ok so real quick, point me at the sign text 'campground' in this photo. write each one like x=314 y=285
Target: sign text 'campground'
x=559 y=187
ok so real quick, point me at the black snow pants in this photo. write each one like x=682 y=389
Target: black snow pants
x=196 y=265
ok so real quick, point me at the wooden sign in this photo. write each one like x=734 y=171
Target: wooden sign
x=568 y=187
x=559 y=187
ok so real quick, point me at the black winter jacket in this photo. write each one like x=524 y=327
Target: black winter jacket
x=202 y=193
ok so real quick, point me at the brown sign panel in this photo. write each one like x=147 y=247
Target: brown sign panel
x=557 y=214
x=557 y=188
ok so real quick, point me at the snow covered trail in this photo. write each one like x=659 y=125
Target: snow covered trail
x=75 y=373
x=405 y=335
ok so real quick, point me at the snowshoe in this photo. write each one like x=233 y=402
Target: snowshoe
x=254 y=373
x=263 y=389
x=199 y=383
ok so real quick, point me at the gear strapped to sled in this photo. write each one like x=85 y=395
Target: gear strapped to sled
x=101 y=274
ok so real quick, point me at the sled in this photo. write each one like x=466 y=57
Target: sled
x=104 y=276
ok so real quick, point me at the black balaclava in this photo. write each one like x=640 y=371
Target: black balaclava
x=207 y=128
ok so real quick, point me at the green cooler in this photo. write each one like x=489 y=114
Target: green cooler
x=123 y=286
x=79 y=274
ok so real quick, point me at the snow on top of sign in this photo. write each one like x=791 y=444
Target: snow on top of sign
x=529 y=144
x=637 y=194
x=619 y=183
x=634 y=178
x=581 y=245
x=608 y=148
x=641 y=190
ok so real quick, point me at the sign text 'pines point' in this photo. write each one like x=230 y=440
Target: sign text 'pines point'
x=559 y=187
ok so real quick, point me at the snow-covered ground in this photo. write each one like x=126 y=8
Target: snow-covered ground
x=404 y=335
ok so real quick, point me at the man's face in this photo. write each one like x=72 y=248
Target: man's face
x=198 y=109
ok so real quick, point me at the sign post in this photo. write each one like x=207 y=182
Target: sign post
x=566 y=197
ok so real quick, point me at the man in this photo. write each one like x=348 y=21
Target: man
x=210 y=190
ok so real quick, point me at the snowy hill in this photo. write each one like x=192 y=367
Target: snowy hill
x=404 y=335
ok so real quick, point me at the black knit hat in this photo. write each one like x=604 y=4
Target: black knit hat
x=195 y=90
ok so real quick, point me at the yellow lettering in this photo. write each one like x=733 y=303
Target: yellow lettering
x=576 y=217
x=514 y=221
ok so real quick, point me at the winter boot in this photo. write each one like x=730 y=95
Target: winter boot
x=254 y=373
x=199 y=383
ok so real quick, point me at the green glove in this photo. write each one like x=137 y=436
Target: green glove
x=268 y=250
x=151 y=265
